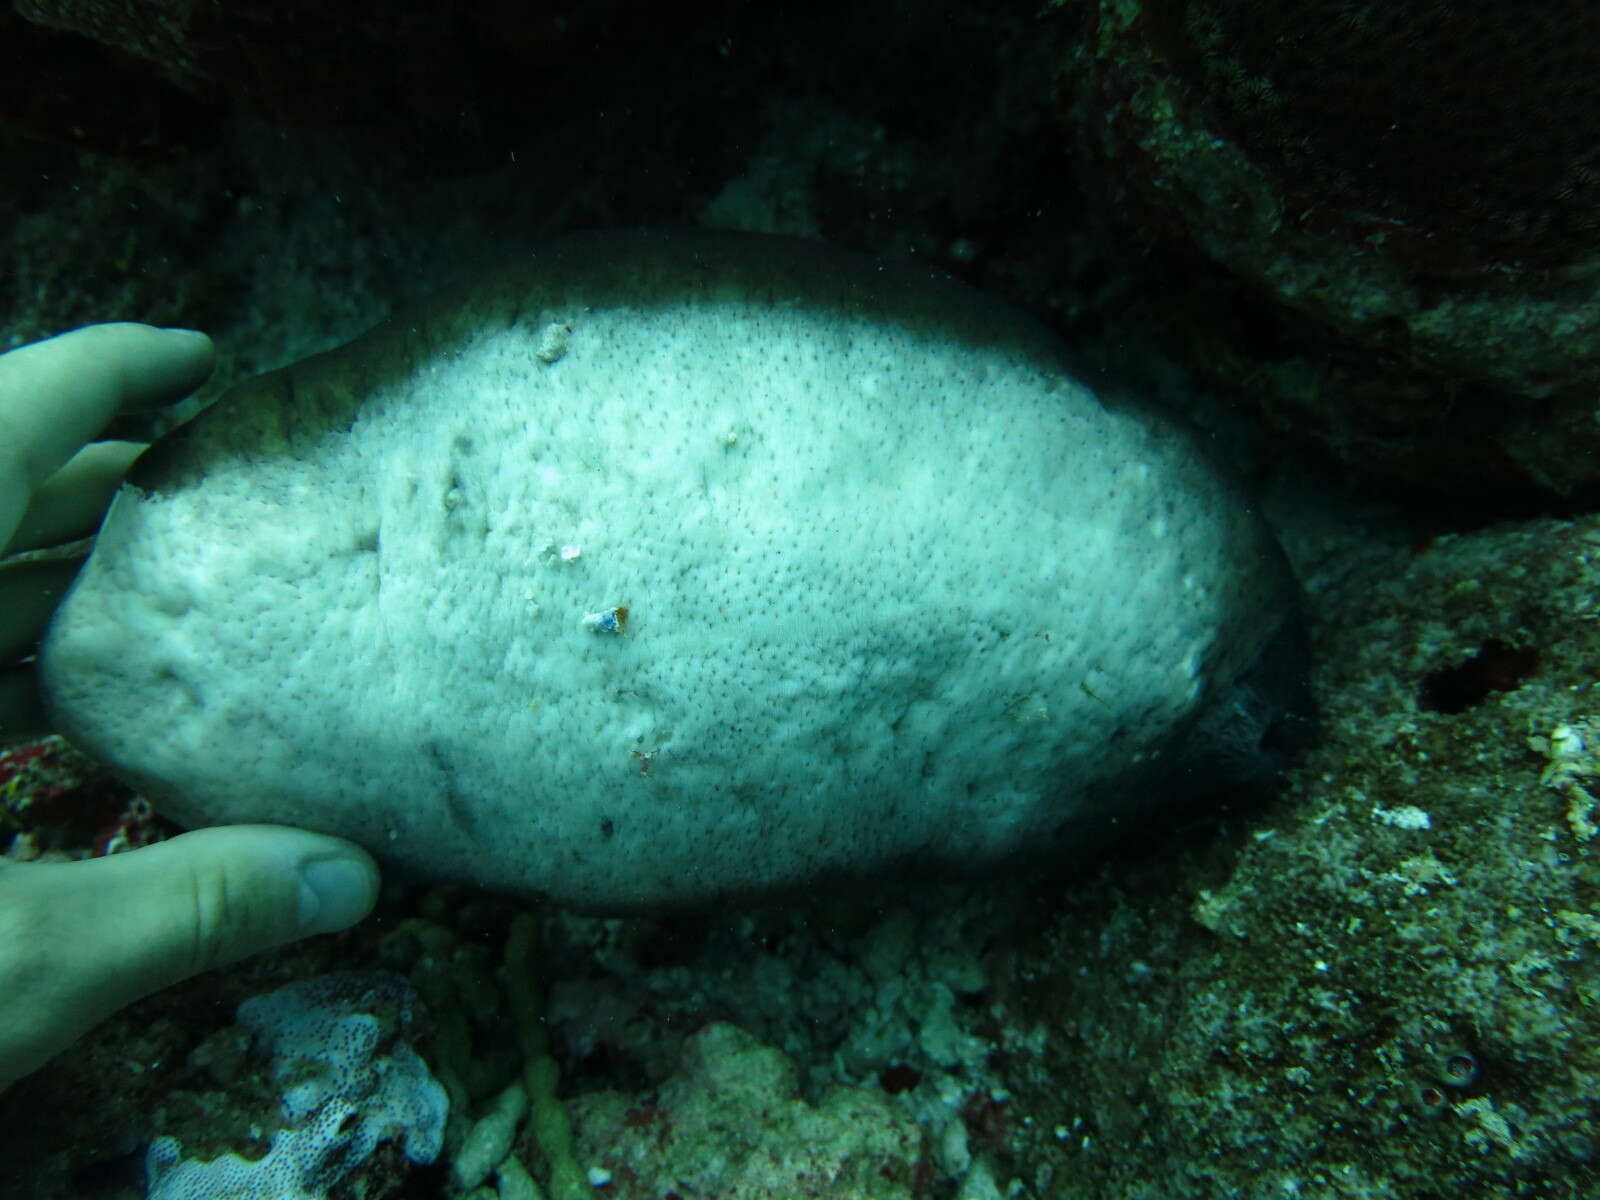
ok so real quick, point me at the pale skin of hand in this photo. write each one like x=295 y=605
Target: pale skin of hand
x=80 y=940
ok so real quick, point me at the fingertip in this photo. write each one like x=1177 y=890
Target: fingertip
x=337 y=890
x=196 y=346
x=164 y=365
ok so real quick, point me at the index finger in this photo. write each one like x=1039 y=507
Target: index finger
x=57 y=394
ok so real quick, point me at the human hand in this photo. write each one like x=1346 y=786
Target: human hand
x=79 y=940
x=55 y=396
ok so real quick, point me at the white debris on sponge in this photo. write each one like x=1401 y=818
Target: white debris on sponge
x=612 y=620
x=351 y=1083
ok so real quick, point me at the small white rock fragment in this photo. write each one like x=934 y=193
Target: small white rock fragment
x=1565 y=742
x=1406 y=816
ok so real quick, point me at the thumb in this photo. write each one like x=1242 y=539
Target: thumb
x=80 y=940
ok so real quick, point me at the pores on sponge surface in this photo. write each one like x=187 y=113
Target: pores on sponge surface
x=661 y=567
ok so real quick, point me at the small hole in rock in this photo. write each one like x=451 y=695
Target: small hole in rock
x=1496 y=667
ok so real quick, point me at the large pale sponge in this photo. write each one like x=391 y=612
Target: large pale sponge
x=659 y=568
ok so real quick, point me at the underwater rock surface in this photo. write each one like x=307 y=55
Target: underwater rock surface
x=731 y=1122
x=664 y=567
x=1403 y=272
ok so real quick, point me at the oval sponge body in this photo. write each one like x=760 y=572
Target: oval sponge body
x=666 y=567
